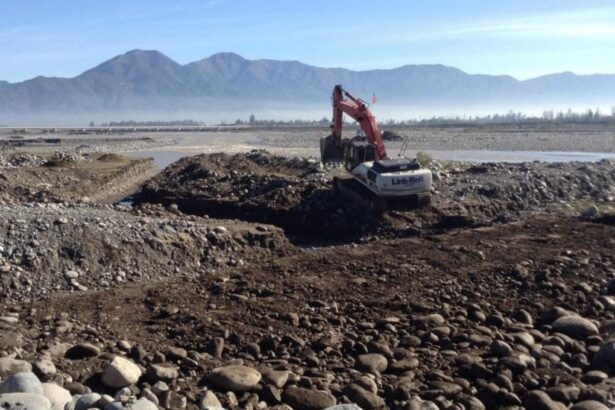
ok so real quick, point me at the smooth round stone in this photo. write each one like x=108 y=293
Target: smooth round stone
x=594 y=377
x=449 y=389
x=236 y=378
x=149 y=395
x=23 y=382
x=500 y=348
x=24 y=401
x=372 y=363
x=165 y=373
x=57 y=395
x=539 y=400
x=364 y=398
x=144 y=404
x=278 y=378
x=565 y=394
x=209 y=400
x=82 y=351
x=589 y=405
x=416 y=403
x=72 y=403
x=300 y=398
x=575 y=326
x=10 y=340
x=121 y=372
x=114 y=405
x=104 y=400
x=87 y=401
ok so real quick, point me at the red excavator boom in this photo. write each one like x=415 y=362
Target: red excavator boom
x=344 y=102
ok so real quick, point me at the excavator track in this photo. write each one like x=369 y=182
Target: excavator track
x=360 y=195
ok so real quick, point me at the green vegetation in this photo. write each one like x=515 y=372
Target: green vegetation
x=423 y=158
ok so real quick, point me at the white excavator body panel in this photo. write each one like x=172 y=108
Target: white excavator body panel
x=392 y=182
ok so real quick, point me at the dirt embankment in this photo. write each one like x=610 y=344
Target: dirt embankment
x=51 y=248
x=72 y=178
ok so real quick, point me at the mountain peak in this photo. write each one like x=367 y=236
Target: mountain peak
x=226 y=55
x=135 y=61
x=140 y=55
x=223 y=58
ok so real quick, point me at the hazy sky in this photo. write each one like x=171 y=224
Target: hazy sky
x=524 y=38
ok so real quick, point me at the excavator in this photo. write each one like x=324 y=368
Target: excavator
x=390 y=182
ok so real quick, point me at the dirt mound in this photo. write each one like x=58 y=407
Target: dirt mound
x=56 y=247
x=259 y=187
x=503 y=191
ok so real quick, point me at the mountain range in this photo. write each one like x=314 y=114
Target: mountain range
x=144 y=81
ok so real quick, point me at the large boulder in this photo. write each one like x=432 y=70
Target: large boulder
x=121 y=372
x=23 y=382
x=24 y=401
x=57 y=395
x=235 y=378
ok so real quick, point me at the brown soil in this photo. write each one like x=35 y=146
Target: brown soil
x=341 y=291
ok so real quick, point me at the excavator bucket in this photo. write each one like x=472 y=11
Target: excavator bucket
x=331 y=150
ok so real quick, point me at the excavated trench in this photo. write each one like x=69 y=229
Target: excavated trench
x=259 y=187
x=297 y=196
x=330 y=221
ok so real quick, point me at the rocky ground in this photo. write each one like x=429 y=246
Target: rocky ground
x=507 y=137
x=37 y=141
x=246 y=282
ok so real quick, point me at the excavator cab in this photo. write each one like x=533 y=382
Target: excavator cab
x=356 y=151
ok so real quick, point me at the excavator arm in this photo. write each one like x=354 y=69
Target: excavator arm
x=344 y=102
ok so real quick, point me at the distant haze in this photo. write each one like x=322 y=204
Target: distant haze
x=147 y=85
